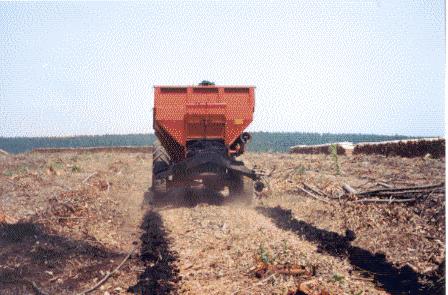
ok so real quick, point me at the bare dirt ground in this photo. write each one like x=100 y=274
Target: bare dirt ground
x=67 y=219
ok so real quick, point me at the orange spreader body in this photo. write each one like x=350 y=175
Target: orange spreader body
x=184 y=113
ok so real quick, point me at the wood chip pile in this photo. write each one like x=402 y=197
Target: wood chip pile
x=316 y=149
x=410 y=149
x=433 y=147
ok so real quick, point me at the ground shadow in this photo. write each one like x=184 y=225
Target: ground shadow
x=160 y=275
x=29 y=253
x=394 y=280
x=178 y=198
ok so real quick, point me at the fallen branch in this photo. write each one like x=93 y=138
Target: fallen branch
x=270 y=172
x=404 y=193
x=10 y=181
x=314 y=190
x=397 y=195
x=36 y=289
x=265 y=279
x=362 y=279
x=348 y=189
x=107 y=276
x=385 y=200
x=313 y=195
x=90 y=176
x=402 y=189
x=294 y=271
x=59 y=217
x=383 y=184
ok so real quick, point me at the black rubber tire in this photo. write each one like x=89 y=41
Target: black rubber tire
x=160 y=162
x=241 y=189
x=217 y=185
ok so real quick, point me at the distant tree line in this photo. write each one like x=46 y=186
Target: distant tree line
x=261 y=141
x=24 y=144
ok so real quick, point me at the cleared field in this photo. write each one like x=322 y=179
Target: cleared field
x=69 y=218
x=104 y=149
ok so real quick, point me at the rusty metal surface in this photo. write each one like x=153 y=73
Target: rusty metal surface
x=185 y=113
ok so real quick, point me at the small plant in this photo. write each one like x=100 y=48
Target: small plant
x=334 y=156
x=264 y=255
x=300 y=170
x=338 y=278
x=22 y=169
x=76 y=168
x=56 y=165
x=7 y=173
x=285 y=246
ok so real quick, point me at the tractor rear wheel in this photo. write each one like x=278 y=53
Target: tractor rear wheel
x=241 y=189
x=160 y=162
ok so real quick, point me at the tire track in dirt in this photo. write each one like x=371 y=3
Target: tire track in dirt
x=218 y=247
x=161 y=274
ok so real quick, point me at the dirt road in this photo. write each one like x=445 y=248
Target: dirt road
x=71 y=218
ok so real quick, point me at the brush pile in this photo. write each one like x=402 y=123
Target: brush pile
x=398 y=195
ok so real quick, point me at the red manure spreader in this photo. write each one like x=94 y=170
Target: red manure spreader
x=200 y=132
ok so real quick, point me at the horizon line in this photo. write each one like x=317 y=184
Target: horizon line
x=272 y=132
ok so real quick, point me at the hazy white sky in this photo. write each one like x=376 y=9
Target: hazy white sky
x=320 y=66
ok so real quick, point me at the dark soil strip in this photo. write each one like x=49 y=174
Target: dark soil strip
x=161 y=274
x=394 y=280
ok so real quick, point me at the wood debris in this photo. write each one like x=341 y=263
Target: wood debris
x=7 y=219
x=404 y=148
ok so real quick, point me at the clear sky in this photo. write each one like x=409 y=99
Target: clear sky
x=320 y=66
